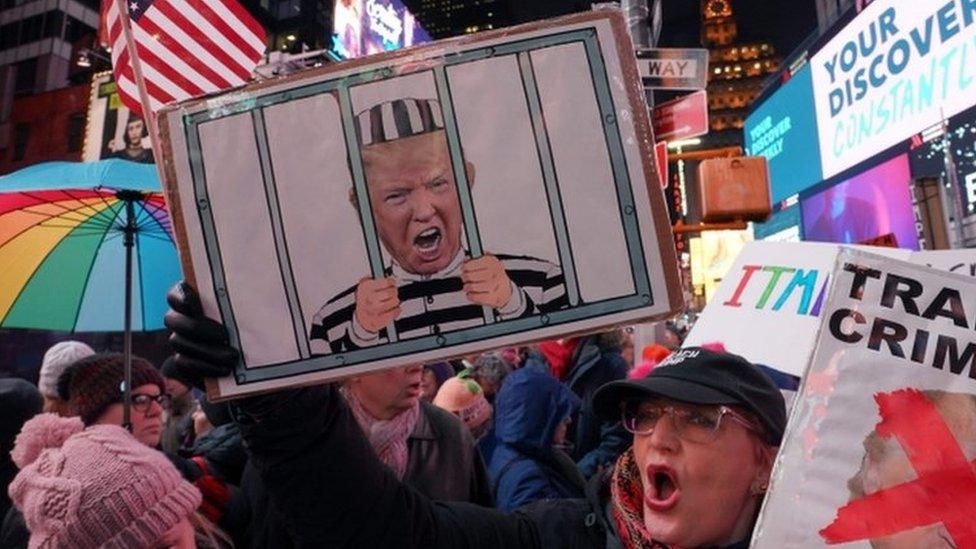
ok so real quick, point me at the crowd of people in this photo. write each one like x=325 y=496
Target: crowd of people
x=560 y=444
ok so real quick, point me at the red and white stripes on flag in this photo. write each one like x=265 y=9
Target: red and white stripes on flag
x=185 y=48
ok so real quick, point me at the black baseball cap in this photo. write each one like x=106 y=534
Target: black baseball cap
x=702 y=376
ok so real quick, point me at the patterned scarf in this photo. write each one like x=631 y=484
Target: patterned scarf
x=627 y=498
x=388 y=437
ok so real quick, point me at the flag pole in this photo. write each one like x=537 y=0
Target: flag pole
x=149 y=118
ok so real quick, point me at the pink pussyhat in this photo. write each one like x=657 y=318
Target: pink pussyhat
x=95 y=487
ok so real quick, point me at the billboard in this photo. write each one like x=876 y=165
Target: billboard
x=897 y=68
x=873 y=204
x=365 y=27
x=112 y=131
x=782 y=129
x=783 y=226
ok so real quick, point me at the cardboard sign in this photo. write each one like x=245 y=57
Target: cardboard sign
x=423 y=204
x=881 y=442
x=681 y=118
x=778 y=288
x=768 y=306
x=673 y=68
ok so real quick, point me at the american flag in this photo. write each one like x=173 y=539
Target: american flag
x=185 y=48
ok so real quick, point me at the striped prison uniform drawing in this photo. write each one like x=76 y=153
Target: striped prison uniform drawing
x=437 y=304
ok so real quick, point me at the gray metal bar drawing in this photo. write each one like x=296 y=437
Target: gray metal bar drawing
x=209 y=229
x=549 y=178
x=278 y=230
x=460 y=174
x=362 y=194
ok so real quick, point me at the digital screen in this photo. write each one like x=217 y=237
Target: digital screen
x=365 y=27
x=873 y=205
x=897 y=68
x=783 y=129
x=928 y=159
x=782 y=226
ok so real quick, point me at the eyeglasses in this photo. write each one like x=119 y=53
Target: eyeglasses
x=692 y=423
x=143 y=402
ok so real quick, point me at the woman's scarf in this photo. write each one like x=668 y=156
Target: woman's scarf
x=387 y=437
x=627 y=504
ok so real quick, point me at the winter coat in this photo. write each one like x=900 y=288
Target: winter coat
x=332 y=491
x=443 y=464
x=525 y=467
x=596 y=443
x=223 y=450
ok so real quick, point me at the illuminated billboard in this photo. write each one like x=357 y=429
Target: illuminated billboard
x=782 y=226
x=782 y=129
x=872 y=205
x=897 y=68
x=365 y=27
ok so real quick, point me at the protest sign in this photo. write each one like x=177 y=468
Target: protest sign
x=767 y=307
x=961 y=262
x=881 y=444
x=422 y=204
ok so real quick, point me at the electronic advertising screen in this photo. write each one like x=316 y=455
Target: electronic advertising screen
x=928 y=159
x=899 y=67
x=365 y=27
x=871 y=207
x=784 y=130
x=783 y=226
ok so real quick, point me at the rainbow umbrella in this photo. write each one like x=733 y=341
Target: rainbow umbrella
x=63 y=255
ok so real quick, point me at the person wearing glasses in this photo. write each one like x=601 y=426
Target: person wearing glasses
x=93 y=389
x=706 y=426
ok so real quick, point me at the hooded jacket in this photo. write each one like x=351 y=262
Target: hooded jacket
x=596 y=443
x=525 y=466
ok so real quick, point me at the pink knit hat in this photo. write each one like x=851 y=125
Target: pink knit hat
x=95 y=487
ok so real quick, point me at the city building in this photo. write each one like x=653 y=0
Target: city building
x=737 y=71
x=446 y=18
x=829 y=11
x=293 y=26
x=46 y=126
x=39 y=45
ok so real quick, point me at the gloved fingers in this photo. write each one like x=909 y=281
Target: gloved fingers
x=184 y=299
x=219 y=355
x=197 y=370
x=199 y=328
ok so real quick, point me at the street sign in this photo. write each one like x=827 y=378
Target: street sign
x=673 y=68
x=681 y=118
x=661 y=161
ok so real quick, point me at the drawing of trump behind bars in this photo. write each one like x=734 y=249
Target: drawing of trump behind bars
x=432 y=284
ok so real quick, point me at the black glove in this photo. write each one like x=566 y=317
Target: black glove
x=201 y=344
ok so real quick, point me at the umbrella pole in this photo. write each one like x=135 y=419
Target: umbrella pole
x=128 y=240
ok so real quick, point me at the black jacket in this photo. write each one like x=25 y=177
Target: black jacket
x=328 y=489
x=597 y=443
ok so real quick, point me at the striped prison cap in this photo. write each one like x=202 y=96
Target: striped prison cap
x=392 y=120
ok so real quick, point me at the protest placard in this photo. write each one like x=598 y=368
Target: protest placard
x=422 y=204
x=880 y=445
x=768 y=306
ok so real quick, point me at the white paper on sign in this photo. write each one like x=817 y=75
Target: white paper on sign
x=767 y=307
x=885 y=422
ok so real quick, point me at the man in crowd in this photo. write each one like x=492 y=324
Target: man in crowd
x=706 y=426
x=433 y=285
x=56 y=360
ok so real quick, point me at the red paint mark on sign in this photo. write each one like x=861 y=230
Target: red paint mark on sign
x=944 y=492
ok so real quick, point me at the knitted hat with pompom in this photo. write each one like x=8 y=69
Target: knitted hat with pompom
x=95 y=487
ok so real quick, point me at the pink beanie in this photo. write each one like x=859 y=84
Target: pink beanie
x=95 y=487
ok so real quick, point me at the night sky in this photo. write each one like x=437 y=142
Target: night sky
x=784 y=23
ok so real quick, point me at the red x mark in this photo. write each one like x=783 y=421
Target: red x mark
x=945 y=490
